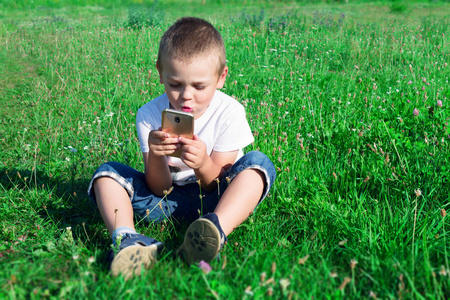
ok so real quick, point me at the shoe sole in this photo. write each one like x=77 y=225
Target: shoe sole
x=201 y=242
x=129 y=261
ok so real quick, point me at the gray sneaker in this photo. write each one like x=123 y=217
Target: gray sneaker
x=135 y=251
x=203 y=240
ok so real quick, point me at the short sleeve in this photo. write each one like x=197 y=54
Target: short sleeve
x=235 y=132
x=148 y=118
x=143 y=127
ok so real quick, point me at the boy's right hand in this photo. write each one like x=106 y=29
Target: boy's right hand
x=160 y=143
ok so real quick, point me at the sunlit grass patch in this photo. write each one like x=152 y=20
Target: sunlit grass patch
x=349 y=100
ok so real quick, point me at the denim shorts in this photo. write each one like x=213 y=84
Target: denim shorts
x=185 y=202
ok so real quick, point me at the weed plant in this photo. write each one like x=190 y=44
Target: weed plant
x=139 y=17
x=352 y=107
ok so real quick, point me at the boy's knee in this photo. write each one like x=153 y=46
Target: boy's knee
x=111 y=173
x=110 y=166
x=259 y=158
x=104 y=181
x=261 y=162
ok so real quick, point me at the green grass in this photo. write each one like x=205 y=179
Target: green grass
x=330 y=91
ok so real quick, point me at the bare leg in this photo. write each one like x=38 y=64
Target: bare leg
x=240 y=199
x=202 y=240
x=110 y=197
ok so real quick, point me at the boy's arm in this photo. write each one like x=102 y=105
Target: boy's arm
x=214 y=167
x=207 y=168
x=157 y=173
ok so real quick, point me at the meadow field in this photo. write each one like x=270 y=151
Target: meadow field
x=350 y=100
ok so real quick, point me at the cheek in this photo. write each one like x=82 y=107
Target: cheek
x=170 y=91
x=207 y=96
x=202 y=98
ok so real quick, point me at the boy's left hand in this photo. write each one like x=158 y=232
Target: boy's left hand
x=194 y=152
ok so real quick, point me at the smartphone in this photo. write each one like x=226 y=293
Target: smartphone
x=177 y=123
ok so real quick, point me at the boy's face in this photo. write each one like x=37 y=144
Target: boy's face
x=190 y=86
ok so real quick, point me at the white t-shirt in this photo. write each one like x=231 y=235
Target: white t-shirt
x=223 y=127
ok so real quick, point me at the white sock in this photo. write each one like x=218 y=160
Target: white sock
x=121 y=231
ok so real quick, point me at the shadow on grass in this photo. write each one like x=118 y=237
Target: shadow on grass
x=65 y=203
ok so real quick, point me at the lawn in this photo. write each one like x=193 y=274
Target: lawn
x=349 y=100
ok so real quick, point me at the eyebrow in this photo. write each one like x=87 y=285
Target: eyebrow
x=206 y=81
x=201 y=82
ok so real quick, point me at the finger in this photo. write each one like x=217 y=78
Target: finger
x=187 y=158
x=166 y=149
x=168 y=141
x=186 y=141
x=171 y=148
x=183 y=140
x=157 y=134
x=188 y=148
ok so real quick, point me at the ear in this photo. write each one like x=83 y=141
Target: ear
x=222 y=78
x=158 y=67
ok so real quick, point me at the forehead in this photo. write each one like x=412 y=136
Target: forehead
x=206 y=58
x=205 y=64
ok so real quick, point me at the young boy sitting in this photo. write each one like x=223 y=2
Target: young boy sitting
x=192 y=66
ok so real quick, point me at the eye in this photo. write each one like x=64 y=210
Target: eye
x=199 y=87
x=174 y=85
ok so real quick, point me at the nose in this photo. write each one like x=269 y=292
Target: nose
x=187 y=94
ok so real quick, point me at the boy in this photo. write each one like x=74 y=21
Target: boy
x=192 y=66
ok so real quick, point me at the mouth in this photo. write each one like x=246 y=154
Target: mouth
x=186 y=109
